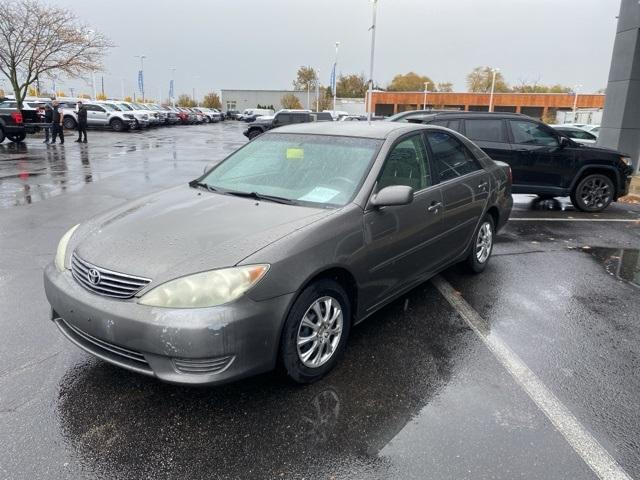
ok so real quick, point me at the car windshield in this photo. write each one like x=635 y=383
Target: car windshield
x=305 y=169
x=137 y=106
x=107 y=107
x=124 y=106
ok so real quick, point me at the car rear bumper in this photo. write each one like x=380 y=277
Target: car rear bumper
x=200 y=346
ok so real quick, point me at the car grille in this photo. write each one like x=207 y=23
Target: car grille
x=105 y=282
x=125 y=357
x=202 y=365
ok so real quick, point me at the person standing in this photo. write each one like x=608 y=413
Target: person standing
x=82 y=122
x=56 y=127
x=48 y=119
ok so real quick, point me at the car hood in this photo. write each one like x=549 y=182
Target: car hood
x=185 y=230
x=597 y=149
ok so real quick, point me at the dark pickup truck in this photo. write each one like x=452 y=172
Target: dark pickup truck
x=16 y=124
x=284 y=117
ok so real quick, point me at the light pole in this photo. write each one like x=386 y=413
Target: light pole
x=142 y=57
x=424 y=100
x=194 y=90
x=121 y=88
x=493 y=87
x=335 y=78
x=576 y=89
x=93 y=84
x=373 y=47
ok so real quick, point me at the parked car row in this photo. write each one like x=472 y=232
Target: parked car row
x=121 y=116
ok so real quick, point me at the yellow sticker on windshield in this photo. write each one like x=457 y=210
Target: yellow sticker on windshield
x=295 y=153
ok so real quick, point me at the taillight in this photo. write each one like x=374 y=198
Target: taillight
x=17 y=117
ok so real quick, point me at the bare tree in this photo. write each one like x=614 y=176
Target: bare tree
x=38 y=40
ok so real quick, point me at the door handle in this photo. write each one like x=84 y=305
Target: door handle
x=483 y=185
x=522 y=150
x=434 y=206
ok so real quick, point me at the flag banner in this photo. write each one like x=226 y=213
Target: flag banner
x=333 y=78
x=171 y=89
x=140 y=81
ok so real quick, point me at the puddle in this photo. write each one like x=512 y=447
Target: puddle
x=622 y=263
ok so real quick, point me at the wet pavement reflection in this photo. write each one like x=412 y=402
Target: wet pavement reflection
x=623 y=263
x=31 y=172
x=266 y=427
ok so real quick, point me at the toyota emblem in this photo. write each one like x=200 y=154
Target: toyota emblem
x=93 y=276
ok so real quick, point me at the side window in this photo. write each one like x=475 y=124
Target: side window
x=454 y=125
x=451 y=157
x=440 y=123
x=485 y=130
x=530 y=133
x=406 y=164
x=283 y=118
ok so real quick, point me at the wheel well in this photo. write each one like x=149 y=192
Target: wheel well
x=493 y=211
x=345 y=279
x=603 y=171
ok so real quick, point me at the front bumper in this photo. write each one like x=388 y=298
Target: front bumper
x=201 y=346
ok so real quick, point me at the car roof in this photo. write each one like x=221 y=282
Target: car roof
x=379 y=130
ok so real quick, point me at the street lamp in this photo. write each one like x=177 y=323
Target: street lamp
x=424 y=100
x=317 y=90
x=373 y=47
x=576 y=90
x=493 y=87
x=335 y=79
x=142 y=57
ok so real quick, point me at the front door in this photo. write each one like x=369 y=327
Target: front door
x=96 y=115
x=539 y=162
x=399 y=239
x=490 y=134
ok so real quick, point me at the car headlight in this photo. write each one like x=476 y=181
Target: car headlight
x=62 y=248
x=206 y=289
x=625 y=160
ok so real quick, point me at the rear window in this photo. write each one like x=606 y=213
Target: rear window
x=485 y=130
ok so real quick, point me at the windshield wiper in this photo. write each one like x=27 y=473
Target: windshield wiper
x=195 y=183
x=260 y=196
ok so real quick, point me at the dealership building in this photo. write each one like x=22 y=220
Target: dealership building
x=537 y=105
x=243 y=99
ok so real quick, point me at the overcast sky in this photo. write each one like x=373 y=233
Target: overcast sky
x=259 y=44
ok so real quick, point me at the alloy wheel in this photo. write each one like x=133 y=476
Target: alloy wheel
x=595 y=193
x=319 y=332
x=484 y=242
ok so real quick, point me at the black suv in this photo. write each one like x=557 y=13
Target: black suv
x=284 y=117
x=543 y=161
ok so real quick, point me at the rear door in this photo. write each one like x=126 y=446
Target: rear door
x=490 y=134
x=400 y=239
x=465 y=190
x=96 y=115
x=539 y=162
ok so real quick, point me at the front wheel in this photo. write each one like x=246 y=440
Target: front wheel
x=17 y=138
x=117 y=125
x=482 y=246
x=593 y=193
x=2 y=136
x=69 y=123
x=316 y=331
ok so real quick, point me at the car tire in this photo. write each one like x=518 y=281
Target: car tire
x=253 y=134
x=69 y=123
x=593 y=193
x=117 y=125
x=17 y=137
x=2 y=137
x=482 y=245
x=308 y=362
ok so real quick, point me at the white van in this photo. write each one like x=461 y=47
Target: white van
x=250 y=114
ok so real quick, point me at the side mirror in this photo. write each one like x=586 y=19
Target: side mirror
x=208 y=167
x=564 y=142
x=392 y=196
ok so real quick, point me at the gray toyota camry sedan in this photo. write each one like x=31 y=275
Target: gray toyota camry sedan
x=270 y=257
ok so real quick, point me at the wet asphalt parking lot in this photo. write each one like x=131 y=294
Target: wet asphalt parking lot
x=529 y=370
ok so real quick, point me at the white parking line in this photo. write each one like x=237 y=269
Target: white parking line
x=582 y=442
x=629 y=220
